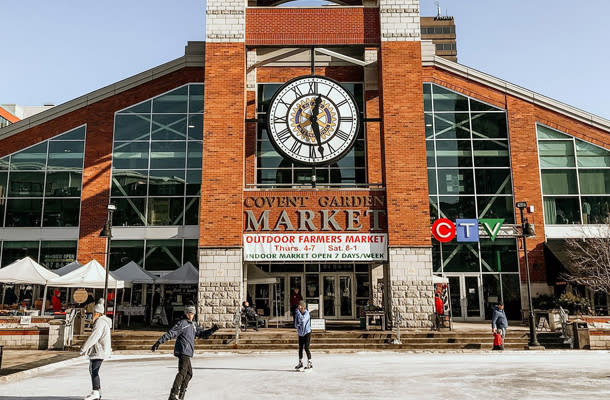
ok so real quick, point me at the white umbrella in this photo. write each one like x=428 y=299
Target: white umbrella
x=29 y=271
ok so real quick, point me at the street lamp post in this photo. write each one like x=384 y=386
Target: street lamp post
x=107 y=233
x=533 y=342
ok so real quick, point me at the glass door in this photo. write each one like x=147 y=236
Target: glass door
x=466 y=297
x=346 y=295
x=338 y=296
x=329 y=295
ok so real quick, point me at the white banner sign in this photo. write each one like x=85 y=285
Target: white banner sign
x=316 y=247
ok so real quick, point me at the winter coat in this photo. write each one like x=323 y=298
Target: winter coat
x=98 y=345
x=439 y=305
x=302 y=322
x=498 y=319
x=295 y=299
x=185 y=332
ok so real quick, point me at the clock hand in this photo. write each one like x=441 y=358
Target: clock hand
x=314 y=123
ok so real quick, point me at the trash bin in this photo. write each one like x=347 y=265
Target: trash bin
x=581 y=334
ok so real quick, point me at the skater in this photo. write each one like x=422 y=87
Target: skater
x=98 y=348
x=185 y=332
x=498 y=340
x=303 y=325
x=498 y=320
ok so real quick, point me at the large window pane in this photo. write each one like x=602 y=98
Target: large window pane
x=427 y=97
x=129 y=183
x=431 y=181
x=459 y=257
x=5 y=163
x=454 y=207
x=130 y=155
x=193 y=182
x=596 y=210
x=591 y=156
x=142 y=108
x=556 y=153
x=132 y=127
x=452 y=126
x=488 y=153
x=195 y=150
x=493 y=181
x=61 y=212
x=512 y=296
x=124 y=251
x=32 y=159
x=452 y=181
x=172 y=102
x=480 y=106
x=168 y=127
x=191 y=252
x=191 y=212
x=56 y=254
x=196 y=98
x=267 y=156
x=75 y=134
x=163 y=255
x=166 y=183
x=561 y=210
x=492 y=292
x=3 y=184
x=548 y=133
x=594 y=181
x=489 y=125
x=433 y=209
x=63 y=184
x=24 y=212
x=453 y=153
x=170 y=155
x=13 y=251
x=500 y=255
x=195 y=127
x=66 y=155
x=129 y=212
x=446 y=100
x=559 y=181
x=26 y=184
x=430 y=154
x=165 y=211
x=496 y=207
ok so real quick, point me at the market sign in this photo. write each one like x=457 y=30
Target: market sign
x=316 y=247
x=466 y=230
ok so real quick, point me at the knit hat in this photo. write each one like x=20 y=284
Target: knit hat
x=99 y=307
x=190 y=310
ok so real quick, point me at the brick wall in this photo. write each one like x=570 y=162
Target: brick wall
x=403 y=144
x=312 y=26
x=223 y=150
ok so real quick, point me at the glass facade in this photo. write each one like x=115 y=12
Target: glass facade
x=154 y=255
x=40 y=186
x=575 y=178
x=156 y=166
x=469 y=176
x=272 y=170
x=51 y=254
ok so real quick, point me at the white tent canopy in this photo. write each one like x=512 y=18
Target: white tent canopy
x=185 y=275
x=66 y=269
x=90 y=275
x=26 y=270
x=256 y=276
x=132 y=272
x=439 y=279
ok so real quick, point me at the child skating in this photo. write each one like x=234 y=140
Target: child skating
x=302 y=322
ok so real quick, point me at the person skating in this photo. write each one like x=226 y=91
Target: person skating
x=98 y=348
x=302 y=322
x=185 y=332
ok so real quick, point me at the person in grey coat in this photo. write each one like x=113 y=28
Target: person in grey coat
x=498 y=320
x=185 y=332
x=98 y=348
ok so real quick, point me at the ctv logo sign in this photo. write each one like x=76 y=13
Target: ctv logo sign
x=466 y=230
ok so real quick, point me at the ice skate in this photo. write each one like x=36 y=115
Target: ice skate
x=299 y=366
x=309 y=365
x=94 y=395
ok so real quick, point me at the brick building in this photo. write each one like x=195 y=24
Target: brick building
x=226 y=158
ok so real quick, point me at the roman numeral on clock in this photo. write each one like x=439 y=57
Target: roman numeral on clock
x=346 y=119
x=280 y=119
x=297 y=91
x=296 y=147
x=313 y=87
x=284 y=135
x=312 y=152
x=342 y=135
x=342 y=103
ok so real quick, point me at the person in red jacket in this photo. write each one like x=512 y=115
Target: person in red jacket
x=56 y=302
x=439 y=308
x=498 y=340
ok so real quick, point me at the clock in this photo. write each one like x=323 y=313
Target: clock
x=313 y=120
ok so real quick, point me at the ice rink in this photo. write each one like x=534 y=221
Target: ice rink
x=383 y=375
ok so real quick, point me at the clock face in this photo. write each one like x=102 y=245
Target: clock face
x=313 y=120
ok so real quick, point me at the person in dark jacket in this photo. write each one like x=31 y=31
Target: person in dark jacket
x=498 y=320
x=185 y=332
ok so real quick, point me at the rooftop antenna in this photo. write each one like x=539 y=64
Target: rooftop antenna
x=438 y=9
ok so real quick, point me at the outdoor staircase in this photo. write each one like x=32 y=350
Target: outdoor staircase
x=339 y=340
x=553 y=340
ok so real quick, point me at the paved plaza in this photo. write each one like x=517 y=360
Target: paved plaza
x=389 y=375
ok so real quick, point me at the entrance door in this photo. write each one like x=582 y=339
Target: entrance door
x=466 y=297
x=338 y=296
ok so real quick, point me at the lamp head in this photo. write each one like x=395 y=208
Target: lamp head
x=521 y=204
x=106 y=232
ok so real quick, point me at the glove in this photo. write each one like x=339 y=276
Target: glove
x=155 y=347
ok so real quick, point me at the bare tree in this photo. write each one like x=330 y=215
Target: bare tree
x=590 y=259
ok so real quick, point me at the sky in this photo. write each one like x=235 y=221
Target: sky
x=55 y=51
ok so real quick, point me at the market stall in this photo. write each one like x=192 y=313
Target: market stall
x=178 y=288
x=136 y=275
x=26 y=271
